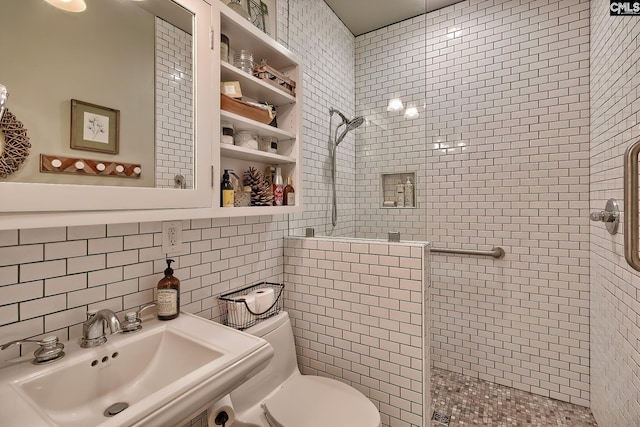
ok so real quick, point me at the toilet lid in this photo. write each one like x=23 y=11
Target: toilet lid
x=310 y=401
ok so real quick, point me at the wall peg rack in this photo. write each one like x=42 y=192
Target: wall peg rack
x=81 y=166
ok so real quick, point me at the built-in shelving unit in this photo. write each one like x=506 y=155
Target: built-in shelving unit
x=243 y=35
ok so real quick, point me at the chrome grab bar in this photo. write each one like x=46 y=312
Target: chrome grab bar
x=631 y=233
x=496 y=252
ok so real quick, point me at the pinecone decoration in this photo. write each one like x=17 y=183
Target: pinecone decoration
x=261 y=192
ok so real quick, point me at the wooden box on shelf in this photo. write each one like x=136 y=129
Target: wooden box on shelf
x=275 y=78
x=261 y=115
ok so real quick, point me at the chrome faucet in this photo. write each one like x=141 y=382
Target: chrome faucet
x=93 y=333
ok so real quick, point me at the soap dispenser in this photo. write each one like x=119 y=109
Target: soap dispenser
x=408 y=194
x=168 y=294
x=227 y=191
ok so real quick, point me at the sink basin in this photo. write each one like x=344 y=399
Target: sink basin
x=158 y=376
x=78 y=394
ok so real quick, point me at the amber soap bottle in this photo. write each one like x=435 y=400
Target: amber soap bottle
x=168 y=294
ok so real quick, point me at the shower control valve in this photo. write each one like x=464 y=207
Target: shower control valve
x=610 y=216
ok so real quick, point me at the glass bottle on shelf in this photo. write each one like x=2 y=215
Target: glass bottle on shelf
x=278 y=189
x=289 y=193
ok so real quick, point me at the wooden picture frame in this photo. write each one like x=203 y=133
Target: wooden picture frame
x=94 y=128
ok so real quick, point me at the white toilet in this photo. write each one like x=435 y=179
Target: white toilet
x=280 y=396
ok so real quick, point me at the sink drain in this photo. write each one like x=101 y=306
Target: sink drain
x=115 y=409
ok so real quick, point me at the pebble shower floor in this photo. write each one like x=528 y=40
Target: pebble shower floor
x=471 y=402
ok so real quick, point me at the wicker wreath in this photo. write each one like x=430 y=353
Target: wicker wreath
x=16 y=144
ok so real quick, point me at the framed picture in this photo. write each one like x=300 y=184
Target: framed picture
x=94 y=128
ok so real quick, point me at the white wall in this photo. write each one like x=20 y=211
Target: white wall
x=360 y=313
x=390 y=63
x=504 y=162
x=615 y=309
x=45 y=65
x=510 y=81
x=327 y=51
x=50 y=277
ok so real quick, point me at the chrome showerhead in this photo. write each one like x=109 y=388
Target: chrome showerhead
x=350 y=125
x=355 y=123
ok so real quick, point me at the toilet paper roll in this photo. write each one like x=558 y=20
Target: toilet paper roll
x=264 y=298
x=238 y=316
x=221 y=405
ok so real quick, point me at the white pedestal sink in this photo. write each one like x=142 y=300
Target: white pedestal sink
x=159 y=375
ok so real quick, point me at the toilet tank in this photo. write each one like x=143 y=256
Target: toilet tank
x=276 y=331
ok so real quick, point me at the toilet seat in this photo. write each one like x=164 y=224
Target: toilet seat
x=310 y=401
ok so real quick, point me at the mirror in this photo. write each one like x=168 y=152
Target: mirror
x=36 y=79
x=112 y=85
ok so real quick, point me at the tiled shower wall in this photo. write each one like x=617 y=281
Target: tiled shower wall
x=508 y=165
x=390 y=63
x=507 y=148
x=327 y=50
x=360 y=313
x=615 y=287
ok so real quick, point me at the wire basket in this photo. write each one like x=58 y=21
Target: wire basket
x=247 y=306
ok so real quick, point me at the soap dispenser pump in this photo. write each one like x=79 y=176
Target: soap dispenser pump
x=168 y=294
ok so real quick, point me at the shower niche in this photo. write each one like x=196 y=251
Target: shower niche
x=398 y=190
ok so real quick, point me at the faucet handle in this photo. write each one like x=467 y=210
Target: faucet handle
x=50 y=349
x=133 y=319
x=143 y=308
x=131 y=322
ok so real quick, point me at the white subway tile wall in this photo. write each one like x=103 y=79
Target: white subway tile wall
x=174 y=83
x=326 y=47
x=359 y=315
x=507 y=80
x=52 y=276
x=390 y=63
x=508 y=165
x=615 y=286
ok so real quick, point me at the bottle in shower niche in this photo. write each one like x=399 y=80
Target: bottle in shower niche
x=408 y=194
x=168 y=294
x=400 y=194
x=278 y=189
x=289 y=193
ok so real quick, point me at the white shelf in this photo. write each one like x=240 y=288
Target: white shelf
x=242 y=123
x=244 y=35
x=254 y=88
x=261 y=210
x=248 y=154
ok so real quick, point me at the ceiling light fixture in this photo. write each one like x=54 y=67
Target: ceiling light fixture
x=395 y=104
x=411 y=113
x=69 y=5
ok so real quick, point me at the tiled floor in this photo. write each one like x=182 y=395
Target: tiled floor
x=472 y=402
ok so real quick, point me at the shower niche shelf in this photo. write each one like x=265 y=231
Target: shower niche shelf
x=395 y=191
x=243 y=35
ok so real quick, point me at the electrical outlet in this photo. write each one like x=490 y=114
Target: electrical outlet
x=171 y=237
